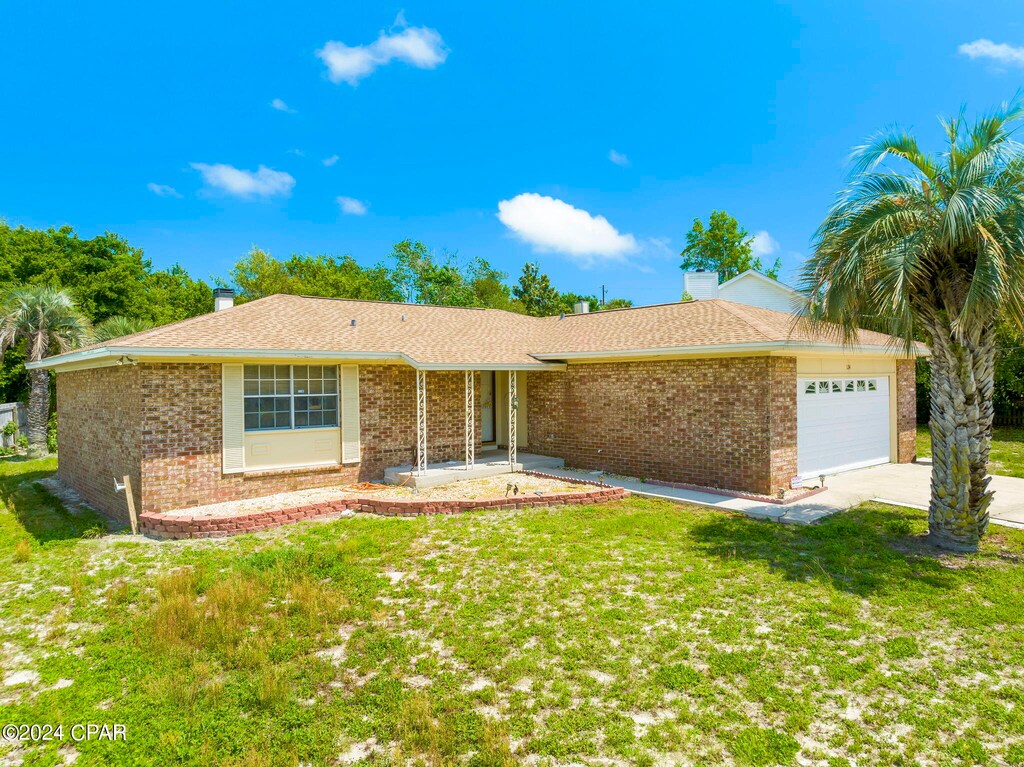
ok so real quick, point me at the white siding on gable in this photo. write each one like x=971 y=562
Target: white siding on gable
x=701 y=285
x=751 y=290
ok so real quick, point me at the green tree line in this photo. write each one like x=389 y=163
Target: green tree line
x=119 y=290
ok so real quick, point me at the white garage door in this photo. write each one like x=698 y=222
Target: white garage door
x=842 y=424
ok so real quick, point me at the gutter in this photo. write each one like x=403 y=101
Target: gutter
x=778 y=346
x=109 y=355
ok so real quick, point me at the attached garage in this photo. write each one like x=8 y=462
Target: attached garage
x=843 y=423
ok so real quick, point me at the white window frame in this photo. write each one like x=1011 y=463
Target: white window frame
x=291 y=400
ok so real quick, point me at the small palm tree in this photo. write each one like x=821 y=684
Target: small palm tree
x=46 y=318
x=935 y=248
x=118 y=326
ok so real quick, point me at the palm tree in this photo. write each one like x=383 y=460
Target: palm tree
x=46 y=318
x=118 y=326
x=933 y=244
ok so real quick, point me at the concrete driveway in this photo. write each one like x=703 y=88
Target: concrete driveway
x=910 y=485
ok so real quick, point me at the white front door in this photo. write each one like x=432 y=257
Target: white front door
x=842 y=424
x=487 y=406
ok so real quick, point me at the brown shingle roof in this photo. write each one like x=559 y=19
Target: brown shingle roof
x=438 y=335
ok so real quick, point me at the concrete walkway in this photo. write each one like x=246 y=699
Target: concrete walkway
x=900 y=484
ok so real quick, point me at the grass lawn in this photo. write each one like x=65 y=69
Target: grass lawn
x=637 y=632
x=1007 y=454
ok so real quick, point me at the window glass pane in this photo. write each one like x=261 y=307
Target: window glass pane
x=810 y=388
x=316 y=371
x=301 y=371
x=264 y=406
x=860 y=385
x=823 y=386
x=849 y=386
x=836 y=387
x=872 y=386
x=301 y=419
x=331 y=385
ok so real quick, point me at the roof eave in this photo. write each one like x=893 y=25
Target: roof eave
x=110 y=355
x=753 y=348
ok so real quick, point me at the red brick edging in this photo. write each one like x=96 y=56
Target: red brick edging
x=172 y=525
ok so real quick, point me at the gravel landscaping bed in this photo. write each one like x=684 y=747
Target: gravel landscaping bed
x=475 y=489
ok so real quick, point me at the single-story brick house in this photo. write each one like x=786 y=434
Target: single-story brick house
x=289 y=392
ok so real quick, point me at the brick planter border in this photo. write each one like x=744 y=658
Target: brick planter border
x=177 y=525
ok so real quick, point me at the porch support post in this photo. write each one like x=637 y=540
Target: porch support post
x=421 y=422
x=470 y=419
x=513 y=406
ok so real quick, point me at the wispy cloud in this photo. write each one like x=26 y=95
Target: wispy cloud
x=1008 y=55
x=618 y=158
x=262 y=182
x=763 y=244
x=162 y=190
x=280 y=106
x=329 y=161
x=350 y=206
x=549 y=224
x=421 y=47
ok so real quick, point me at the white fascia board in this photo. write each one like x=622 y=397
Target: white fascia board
x=99 y=356
x=696 y=351
x=764 y=278
x=109 y=355
x=524 y=366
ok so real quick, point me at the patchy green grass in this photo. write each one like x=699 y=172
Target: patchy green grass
x=637 y=632
x=1006 y=456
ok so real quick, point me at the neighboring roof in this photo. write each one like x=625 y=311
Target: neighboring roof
x=756 y=276
x=459 y=338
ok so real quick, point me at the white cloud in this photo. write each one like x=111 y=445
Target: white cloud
x=553 y=225
x=329 y=161
x=162 y=190
x=618 y=158
x=263 y=182
x=422 y=47
x=1001 y=52
x=763 y=244
x=350 y=206
x=280 y=106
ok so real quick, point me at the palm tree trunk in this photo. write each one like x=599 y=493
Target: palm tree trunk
x=38 y=411
x=961 y=429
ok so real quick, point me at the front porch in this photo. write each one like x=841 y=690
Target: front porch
x=489 y=463
x=473 y=427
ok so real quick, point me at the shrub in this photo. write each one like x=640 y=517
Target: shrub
x=51 y=433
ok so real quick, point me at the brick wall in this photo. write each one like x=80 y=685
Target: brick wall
x=388 y=416
x=724 y=422
x=99 y=426
x=181 y=437
x=906 y=411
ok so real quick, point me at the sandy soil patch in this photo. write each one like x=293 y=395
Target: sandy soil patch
x=486 y=488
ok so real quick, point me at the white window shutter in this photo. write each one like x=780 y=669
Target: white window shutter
x=232 y=418
x=349 y=377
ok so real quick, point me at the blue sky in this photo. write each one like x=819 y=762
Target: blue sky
x=586 y=136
